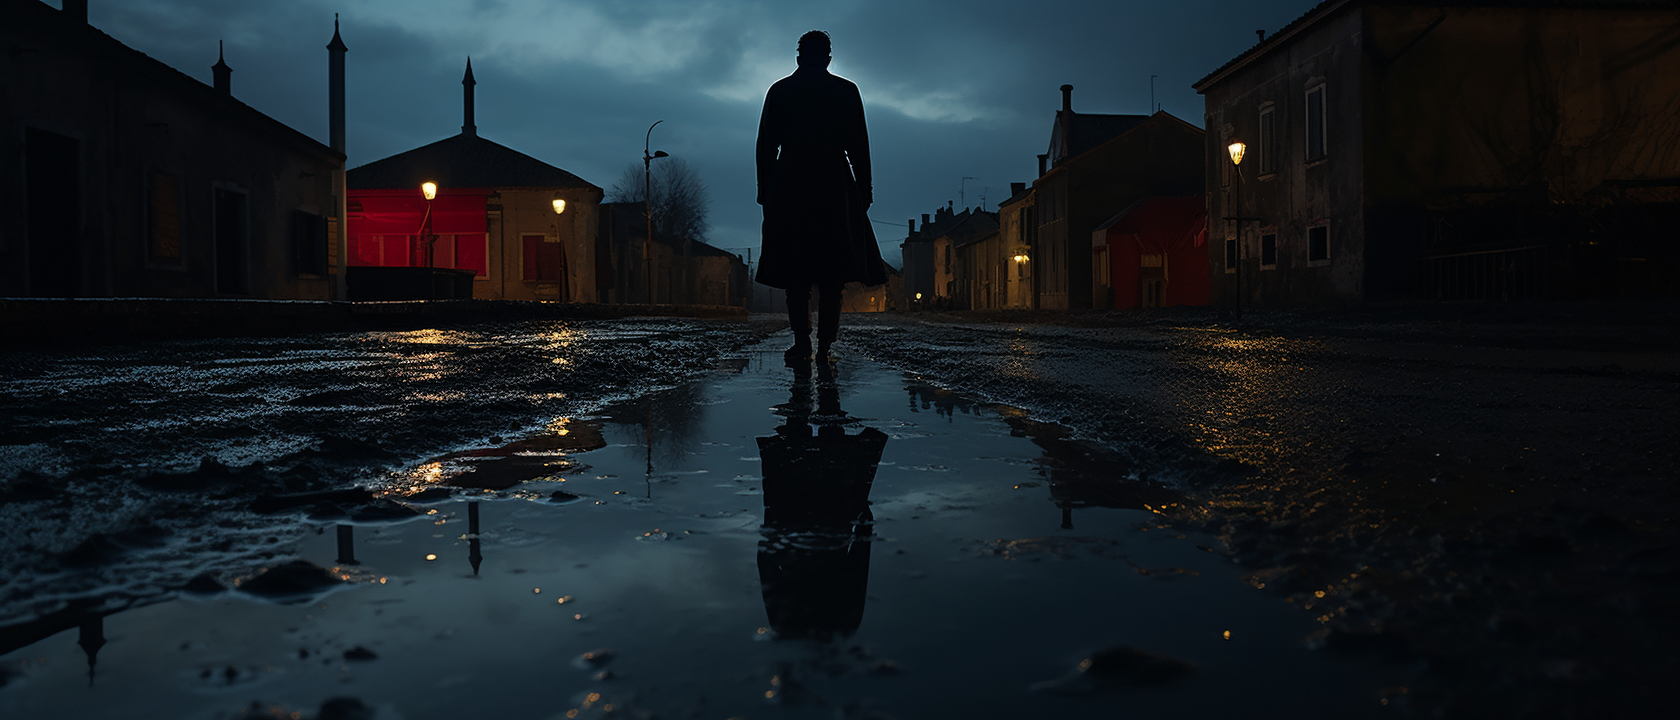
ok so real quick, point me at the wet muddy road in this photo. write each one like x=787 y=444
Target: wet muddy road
x=657 y=518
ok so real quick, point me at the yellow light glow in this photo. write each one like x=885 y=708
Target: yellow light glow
x=429 y=189
x=1227 y=634
x=918 y=296
x=559 y=206
x=430 y=557
x=1236 y=148
x=1021 y=258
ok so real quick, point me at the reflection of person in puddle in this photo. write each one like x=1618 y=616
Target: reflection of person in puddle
x=813 y=562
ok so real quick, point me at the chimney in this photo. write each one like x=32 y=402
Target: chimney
x=221 y=74
x=467 y=83
x=912 y=227
x=1067 y=98
x=335 y=89
x=1016 y=188
x=76 y=10
x=1042 y=159
x=1261 y=34
x=924 y=221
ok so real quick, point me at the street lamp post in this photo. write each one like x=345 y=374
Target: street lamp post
x=428 y=190
x=647 y=203
x=1236 y=148
x=565 y=269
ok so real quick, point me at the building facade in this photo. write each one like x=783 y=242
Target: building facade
x=519 y=228
x=123 y=177
x=1448 y=150
x=1099 y=165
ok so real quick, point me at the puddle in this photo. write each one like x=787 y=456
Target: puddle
x=765 y=543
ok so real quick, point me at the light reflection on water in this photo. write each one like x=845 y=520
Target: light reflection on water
x=723 y=550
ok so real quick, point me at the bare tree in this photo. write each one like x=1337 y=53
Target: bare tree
x=680 y=200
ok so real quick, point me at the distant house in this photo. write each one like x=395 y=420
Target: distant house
x=1099 y=165
x=1153 y=254
x=930 y=255
x=880 y=298
x=1449 y=150
x=492 y=231
x=1016 y=234
x=667 y=270
x=980 y=277
x=123 y=177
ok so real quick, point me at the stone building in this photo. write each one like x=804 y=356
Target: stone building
x=667 y=270
x=1099 y=165
x=1448 y=150
x=123 y=177
x=501 y=226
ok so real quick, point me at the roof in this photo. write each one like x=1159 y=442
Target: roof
x=1326 y=8
x=1075 y=133
x=157 y=70
x=465 y=160
x=972 y=225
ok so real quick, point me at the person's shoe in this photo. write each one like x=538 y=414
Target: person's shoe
x=800 y=352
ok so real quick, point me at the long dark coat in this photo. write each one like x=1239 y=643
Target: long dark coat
x=813 y=178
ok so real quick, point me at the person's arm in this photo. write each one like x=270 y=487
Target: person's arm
x=858 y=152
x=769 y=141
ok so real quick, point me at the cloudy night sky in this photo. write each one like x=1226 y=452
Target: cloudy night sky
x=951 y=89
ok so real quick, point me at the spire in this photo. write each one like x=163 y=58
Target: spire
x=467 y=83
x=335 y=89
x=337 y=43
x=221 y=75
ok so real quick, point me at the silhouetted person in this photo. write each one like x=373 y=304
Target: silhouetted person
x=813 y=563
x=815 y=186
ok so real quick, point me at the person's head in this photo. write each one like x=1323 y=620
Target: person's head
x=814 y=49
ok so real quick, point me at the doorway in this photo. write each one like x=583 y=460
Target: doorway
x=53 y=202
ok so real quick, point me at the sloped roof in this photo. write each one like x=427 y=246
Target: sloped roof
x=1075 y=133
x=462 y=161
x=47 y=23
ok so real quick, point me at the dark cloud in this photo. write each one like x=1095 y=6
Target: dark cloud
x=952 y=89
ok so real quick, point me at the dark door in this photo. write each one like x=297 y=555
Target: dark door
x=231 y=255
x=53 y=198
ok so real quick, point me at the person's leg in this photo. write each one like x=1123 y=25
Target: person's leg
x=799 y=321
x=828 y=317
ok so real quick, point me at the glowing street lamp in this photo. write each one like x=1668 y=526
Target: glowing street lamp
x=1237 y=148
x=428 y=190
x=565 y=272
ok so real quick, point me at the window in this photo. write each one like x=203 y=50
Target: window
x=1318 y=243
x=1231 y=254
x=1316 y=146
x=542 y=259
x=309 y=243
x=1268 y=250
x=163 y=218
x=1268 y=141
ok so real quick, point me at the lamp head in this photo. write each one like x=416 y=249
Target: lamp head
x=661 y=153
x=1236 y=148
x=429 y=189
x=559 y=206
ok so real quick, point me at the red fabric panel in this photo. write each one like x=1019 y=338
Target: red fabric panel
x=389 y=215
x=472 y=253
